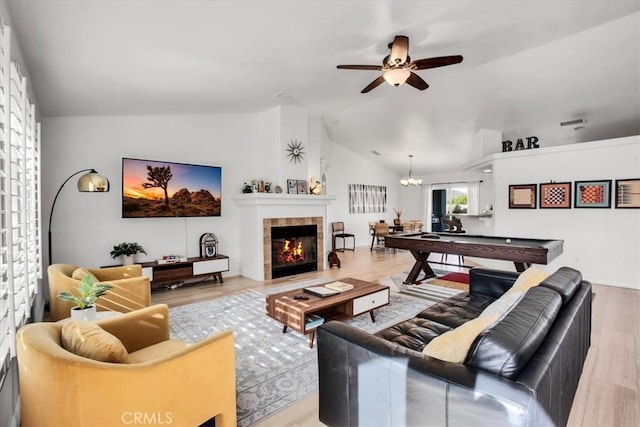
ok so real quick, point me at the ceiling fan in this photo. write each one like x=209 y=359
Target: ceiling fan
x=397 y=67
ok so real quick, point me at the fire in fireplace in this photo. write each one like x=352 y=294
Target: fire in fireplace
x=293 y=250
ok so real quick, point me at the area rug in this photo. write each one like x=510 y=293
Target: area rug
x=273 y=370
x=433 y=289
x=456 y=277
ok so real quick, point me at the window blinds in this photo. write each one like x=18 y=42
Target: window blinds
x=20 y=225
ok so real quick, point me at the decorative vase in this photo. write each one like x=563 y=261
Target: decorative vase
x=324 y=184
x=127 y=259
x=88 y=314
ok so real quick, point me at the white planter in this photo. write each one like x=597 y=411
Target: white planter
x=87 y=314
x=127 y=259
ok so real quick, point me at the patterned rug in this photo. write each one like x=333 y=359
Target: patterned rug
x=273 y=370
x=434 y=289
x=456 y=277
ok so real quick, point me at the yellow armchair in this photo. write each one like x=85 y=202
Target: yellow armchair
x=131 y=290
x=165 y=382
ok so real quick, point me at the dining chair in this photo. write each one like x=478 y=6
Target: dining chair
x=337 y=229
x=381 y=230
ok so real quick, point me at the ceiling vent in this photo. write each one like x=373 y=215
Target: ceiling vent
x=573 y=122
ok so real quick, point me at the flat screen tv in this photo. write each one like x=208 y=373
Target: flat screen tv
x=153 y=188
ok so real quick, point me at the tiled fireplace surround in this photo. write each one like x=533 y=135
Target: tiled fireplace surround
x=258 y=212
x=268 y=223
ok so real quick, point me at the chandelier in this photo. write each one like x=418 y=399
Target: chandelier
x=409 y=181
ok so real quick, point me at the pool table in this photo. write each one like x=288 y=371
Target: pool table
x=523 y=252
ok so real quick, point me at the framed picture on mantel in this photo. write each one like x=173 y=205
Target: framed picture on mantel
x=292 y=186
x=302 y=187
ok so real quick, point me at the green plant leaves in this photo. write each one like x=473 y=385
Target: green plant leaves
x=125 y=248
x=88 y=293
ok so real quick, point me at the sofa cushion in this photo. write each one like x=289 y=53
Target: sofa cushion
x=89 y=340
x=457 y=309
x=506 y=347
x=565 y=281
x=413 y=333
x=453 y=346
x=80 y=273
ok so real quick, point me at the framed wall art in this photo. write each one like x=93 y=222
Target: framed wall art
x=367 y=198
x=592 y=194
x=628 y=193
x=555 y=195
x=522 y=196
x=292 y=186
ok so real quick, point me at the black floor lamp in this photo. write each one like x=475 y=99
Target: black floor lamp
x=90 y=182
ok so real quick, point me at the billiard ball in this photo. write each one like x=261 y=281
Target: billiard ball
x=508 y=240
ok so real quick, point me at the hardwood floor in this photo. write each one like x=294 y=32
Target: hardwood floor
x=609 y=390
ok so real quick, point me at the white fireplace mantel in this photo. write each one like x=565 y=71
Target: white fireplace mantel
x=282 y=199
x=253 y=208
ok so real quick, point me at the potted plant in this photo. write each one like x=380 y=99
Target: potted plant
x=398 y=219
x=88 y=293
x=126 y=251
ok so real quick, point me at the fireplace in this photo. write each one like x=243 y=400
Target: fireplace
x=294 y=250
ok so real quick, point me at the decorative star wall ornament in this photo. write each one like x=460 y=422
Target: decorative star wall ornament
x=295 y=151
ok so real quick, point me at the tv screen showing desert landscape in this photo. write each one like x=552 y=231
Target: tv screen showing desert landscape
x=153 y=188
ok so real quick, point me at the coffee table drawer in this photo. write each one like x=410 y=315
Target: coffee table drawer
x=371 y=301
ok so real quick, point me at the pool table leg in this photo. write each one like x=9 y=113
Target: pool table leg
x=521 y=266
x=420 y=265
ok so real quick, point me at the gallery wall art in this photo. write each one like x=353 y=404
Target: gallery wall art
x=522 y=196
x=555 y=195
x=365 y=198
x=592 y=194
x=628 y=193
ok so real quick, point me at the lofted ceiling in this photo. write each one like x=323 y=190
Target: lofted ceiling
x=528 y=65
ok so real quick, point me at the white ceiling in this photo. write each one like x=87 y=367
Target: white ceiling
x=528 y=65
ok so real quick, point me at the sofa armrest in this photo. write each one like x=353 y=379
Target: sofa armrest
x=365 y=380
x=126 y=295
x=141 y=328
x=489 y=282
x=117 y=273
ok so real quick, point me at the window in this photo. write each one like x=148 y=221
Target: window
x=459 y=198
x=456 y=200
x=20 y=235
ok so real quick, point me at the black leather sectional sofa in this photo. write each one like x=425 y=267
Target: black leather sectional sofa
x=521 y=371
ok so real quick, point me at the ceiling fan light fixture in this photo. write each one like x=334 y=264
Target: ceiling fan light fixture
x=396 y=76
x=399 y=50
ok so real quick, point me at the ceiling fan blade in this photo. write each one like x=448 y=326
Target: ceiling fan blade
x=417 y=82
x=399 y=50
x=441 y=61
x=360 y=67
x=374 y=84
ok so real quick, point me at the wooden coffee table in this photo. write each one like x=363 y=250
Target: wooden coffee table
x=293 y=313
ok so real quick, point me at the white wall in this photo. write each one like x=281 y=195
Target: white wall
x=87 y=225
x=247 y=146
x=344 y=167
x=604 y=244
